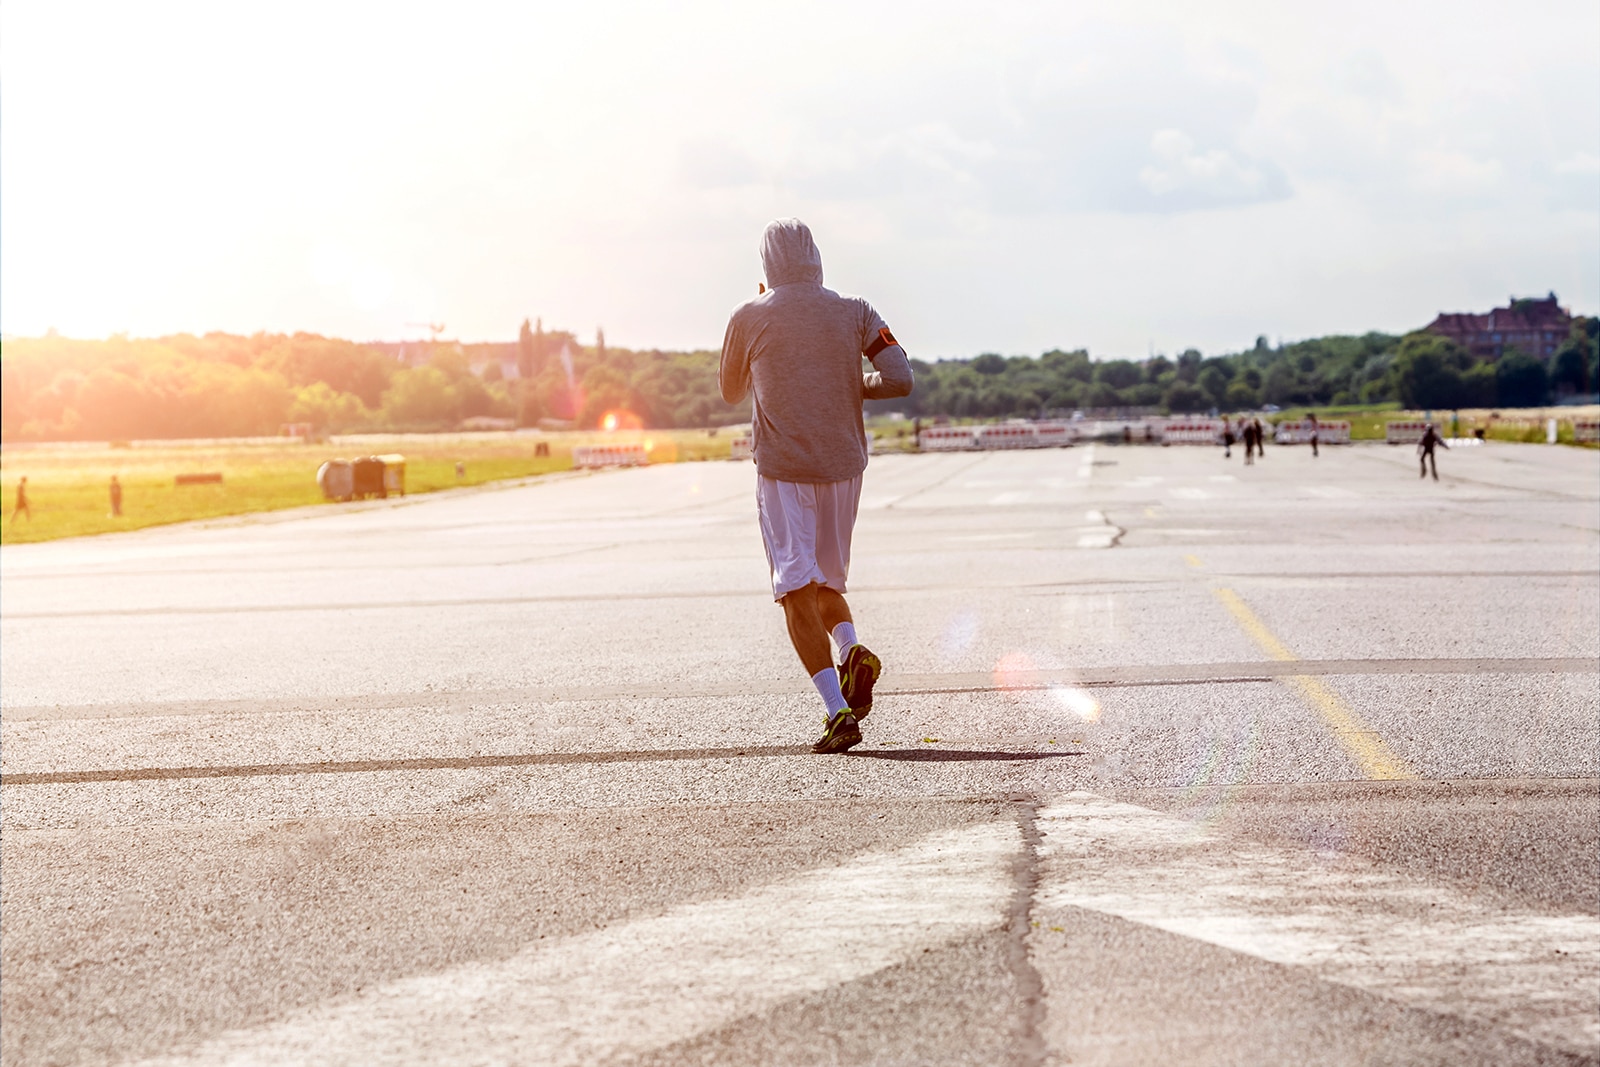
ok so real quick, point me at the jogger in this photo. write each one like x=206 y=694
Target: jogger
x=797 y=348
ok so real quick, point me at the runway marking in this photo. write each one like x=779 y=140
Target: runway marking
x=1189 y=493
x=1346 y=919
x=1153 y=674
x=1103 y=534
x=1193 y=560
x=648 y=983
x=1360 y=740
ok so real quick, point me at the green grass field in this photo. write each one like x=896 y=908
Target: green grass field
x=69 y=484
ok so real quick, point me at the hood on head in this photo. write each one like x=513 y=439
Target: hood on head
x=789 y=255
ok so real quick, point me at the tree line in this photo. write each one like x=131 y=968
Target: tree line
x=224 y=385
x=1418 y=370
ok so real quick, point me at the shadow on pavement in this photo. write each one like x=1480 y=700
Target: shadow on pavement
x=957 y=755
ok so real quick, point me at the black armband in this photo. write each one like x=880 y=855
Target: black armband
x=879 y=343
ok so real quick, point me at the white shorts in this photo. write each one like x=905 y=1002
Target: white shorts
x=806 y=530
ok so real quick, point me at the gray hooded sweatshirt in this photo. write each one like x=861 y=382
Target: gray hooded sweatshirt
x=798 y=348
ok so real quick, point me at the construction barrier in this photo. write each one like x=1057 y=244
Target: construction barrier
x=946 y=439
x=743 y=448
x=1407 y=432
x=1055 y=434
x=1192 y=432
x=1299 y=433
x=1008 y=435
x=596 y=456
x=1585 y=430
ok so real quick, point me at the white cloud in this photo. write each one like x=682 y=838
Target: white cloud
x=1214 y=175
x=1581 y=163
x=1455 y=173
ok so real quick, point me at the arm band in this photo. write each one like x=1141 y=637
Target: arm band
x=879 y=343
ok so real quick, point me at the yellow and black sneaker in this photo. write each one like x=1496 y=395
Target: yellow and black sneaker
x=857 y=674
x=838 y=734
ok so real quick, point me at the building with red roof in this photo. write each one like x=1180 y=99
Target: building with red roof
x=1530 y=324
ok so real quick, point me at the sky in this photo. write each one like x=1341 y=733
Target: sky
x=1127 y=177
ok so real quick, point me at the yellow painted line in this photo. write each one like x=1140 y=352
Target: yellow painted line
x=1360 y=740
x=1193 y=561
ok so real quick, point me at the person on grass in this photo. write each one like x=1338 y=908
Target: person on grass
x=22 y=507
x=796 y=349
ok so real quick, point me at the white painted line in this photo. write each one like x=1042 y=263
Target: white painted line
x=1096 y=538
x=1086 y=464
x=1345 y=919
x=648 y=983
x=1095 y=516
x=1189 y=493
x=1330 y=492
x=1013 y=497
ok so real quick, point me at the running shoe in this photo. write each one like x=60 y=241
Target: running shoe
x=857 y=674
x=838 y=734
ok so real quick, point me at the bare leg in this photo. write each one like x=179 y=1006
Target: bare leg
x=806 y=630
x=833 y=607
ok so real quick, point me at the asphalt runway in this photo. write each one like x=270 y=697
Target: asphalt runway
x=1174 y=761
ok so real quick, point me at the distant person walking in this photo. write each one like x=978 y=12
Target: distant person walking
x=1259 y=435
x=1247 y=435
x=797 y=348
x=21 y=507
x=1314 y=430
x=1430 y=438
x=116 y=498
x=1227 y=439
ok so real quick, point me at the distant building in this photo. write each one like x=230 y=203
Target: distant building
x=1534 y=326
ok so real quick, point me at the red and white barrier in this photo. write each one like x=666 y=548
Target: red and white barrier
x=1404 y=432
x=743 y=448
x=593 y=457
x=1055 y=434
x=1192 y=432
x=1585 y=430
x=1008 y=435
x=1329 y=432
x=946 y=439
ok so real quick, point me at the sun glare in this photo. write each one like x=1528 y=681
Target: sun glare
x=620 y=419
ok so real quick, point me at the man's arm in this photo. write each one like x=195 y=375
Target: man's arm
x=733 y=376
x=891 y=374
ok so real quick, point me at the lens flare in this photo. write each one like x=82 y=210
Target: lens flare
x=620 y=419
x=1077 y=702
x=959 y=634
x=1014 y=671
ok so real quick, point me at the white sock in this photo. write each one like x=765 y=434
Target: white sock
x=827 y=683
x=844 y=635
